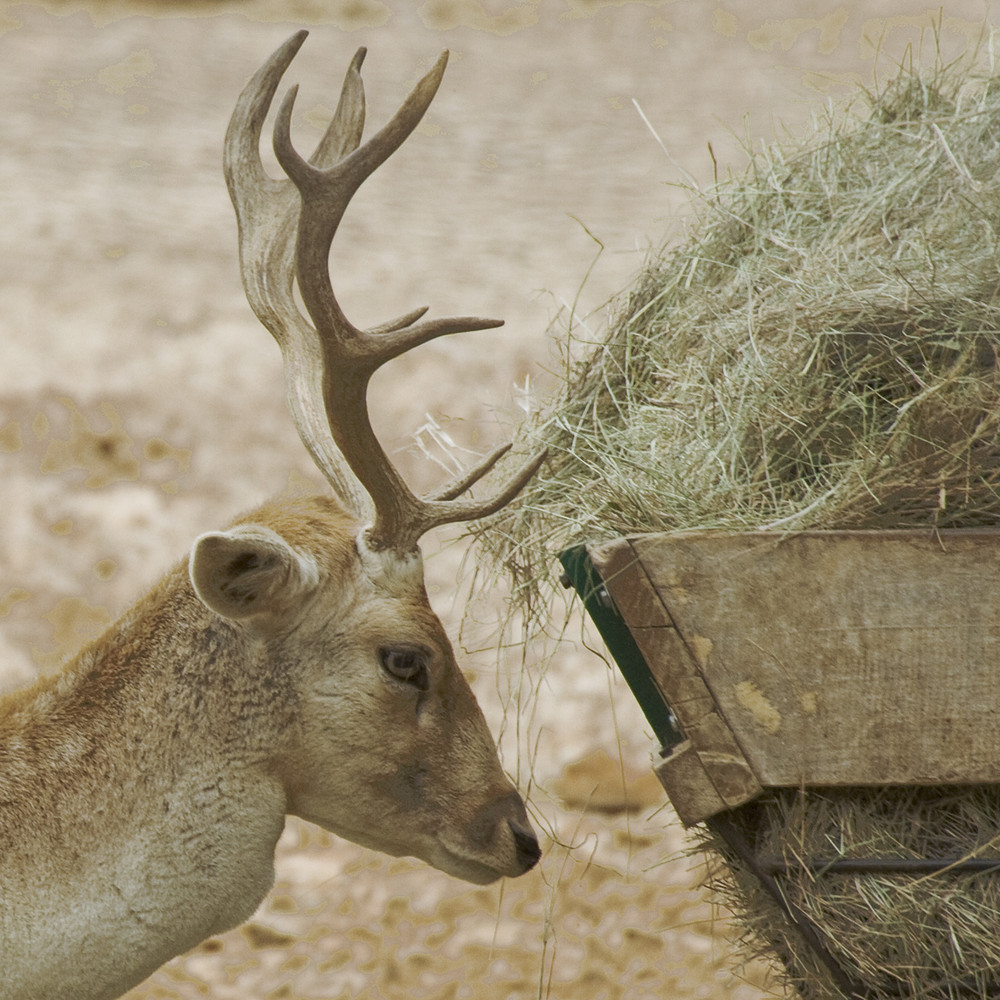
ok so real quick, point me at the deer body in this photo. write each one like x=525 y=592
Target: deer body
x=138 y=811
x=138 y=814
x=292 y=666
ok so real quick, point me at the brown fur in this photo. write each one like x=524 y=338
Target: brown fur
x=143 y=788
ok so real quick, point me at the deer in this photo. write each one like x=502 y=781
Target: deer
x=290 y=665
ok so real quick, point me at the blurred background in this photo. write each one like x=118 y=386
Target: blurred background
x=140 y=402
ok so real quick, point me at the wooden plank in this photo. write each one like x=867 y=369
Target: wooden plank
x=708 y=771
x=837 y=657
x=688 y=785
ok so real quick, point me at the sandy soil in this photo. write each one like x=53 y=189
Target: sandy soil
x=141 y=404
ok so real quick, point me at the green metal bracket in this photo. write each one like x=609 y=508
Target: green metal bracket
x=584 y=578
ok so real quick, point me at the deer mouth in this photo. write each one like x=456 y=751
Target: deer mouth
x=470 y=870
x=475 y=868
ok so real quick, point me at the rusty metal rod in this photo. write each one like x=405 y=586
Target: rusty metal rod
x=813 y=937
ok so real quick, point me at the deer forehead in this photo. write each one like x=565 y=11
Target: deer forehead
x=388 y=604
x=377 y=589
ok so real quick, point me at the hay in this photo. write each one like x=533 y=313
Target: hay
x=820 y=352
x=920 y=936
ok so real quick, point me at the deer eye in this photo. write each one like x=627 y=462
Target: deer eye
x=408 y=664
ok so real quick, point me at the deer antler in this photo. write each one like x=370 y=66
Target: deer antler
x=285 y=231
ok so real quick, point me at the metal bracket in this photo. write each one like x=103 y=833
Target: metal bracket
x=584 y=578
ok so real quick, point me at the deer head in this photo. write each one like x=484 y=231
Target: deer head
x=391 y=749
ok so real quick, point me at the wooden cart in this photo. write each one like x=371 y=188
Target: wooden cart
x=804 y=660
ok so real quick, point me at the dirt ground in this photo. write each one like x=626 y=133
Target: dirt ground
x=141 y=404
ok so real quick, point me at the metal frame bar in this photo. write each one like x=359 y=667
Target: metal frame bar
x=579 y=573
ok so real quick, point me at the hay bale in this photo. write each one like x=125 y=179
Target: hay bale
x=820 y=351
x=932 y=936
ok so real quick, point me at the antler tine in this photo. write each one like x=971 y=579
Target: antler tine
x=343 y=134
x=481 y=508
x=267 y=216
x=343 y=358
x=466 y=480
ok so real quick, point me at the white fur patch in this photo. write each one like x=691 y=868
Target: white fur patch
x=391 y=570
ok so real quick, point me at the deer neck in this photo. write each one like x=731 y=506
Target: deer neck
x=143 y=771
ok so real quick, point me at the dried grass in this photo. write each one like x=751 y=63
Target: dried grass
x=925 y=937
x=821 y=351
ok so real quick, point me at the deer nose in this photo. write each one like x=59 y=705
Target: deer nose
x=525 y=845
x=508 y=811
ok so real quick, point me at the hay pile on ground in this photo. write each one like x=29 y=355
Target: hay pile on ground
x=918 y=935
x=821 y=350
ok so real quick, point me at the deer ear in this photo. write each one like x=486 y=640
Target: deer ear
x=249 y=570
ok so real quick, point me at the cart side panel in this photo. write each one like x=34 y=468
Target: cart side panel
x=708 y=771
x=835 y=658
